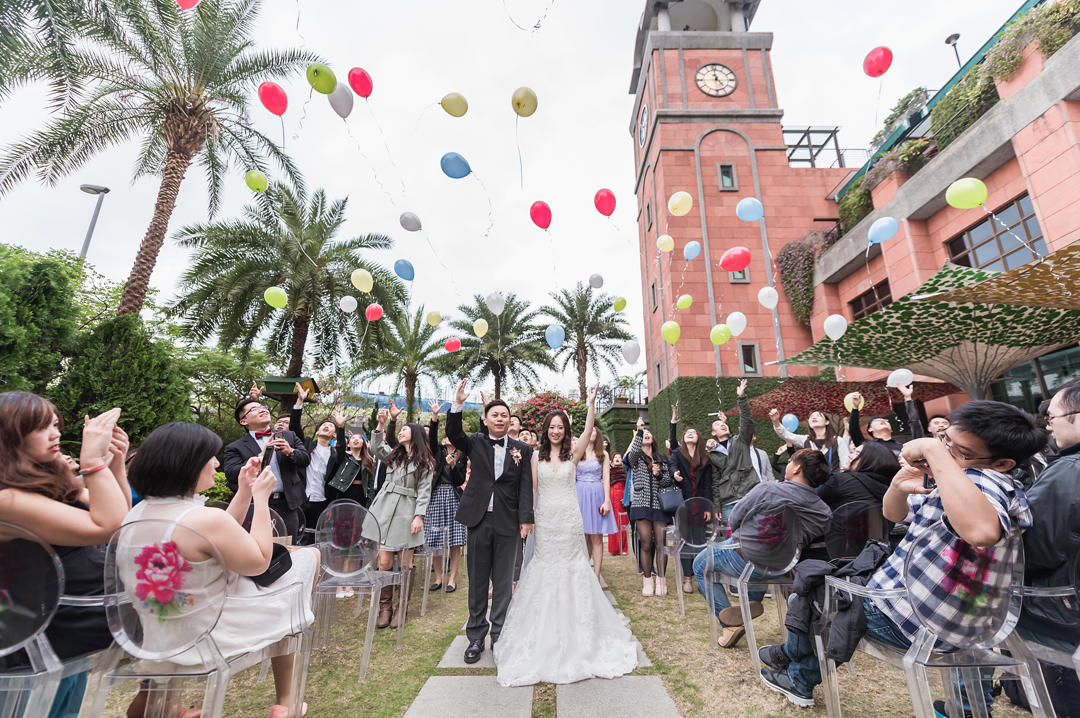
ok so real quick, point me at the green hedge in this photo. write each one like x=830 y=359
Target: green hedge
x=966 y=102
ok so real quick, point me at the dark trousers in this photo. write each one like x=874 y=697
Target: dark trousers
x=312 y=511
x=491 y=558
x=290 y=516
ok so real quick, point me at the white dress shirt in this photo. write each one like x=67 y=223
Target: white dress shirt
x=316 y=473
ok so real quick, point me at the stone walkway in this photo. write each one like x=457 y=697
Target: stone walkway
x=469 y=696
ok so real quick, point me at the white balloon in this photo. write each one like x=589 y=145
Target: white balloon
x=835 y=326
x=631 y=350
x=768 y=297
x=410 y=222
x=736 y=322
x=347 y=304
x=495 y=303
x=341 y=99
x=596 y=281
x=899 y=378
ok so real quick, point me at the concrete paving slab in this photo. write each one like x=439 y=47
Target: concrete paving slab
x=471 y=696
x=611 y=597
x=603 y=583
x=600 y=697
x=455 y=655
x=642 y=659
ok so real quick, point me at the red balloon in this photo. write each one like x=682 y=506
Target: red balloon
x=877 y=61
x=735 y=259
x=452 y=344
x=360 y=82
x=373 y=312
x=187 y=4
x=605 y=202
x=541 y=214
x=273 y=98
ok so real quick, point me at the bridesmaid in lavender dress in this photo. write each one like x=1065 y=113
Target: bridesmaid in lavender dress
x=593 y=490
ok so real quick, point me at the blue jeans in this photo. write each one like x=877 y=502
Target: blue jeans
x=729 y=562
x=69 y=697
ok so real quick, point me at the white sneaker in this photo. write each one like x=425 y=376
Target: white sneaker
x=648 y=586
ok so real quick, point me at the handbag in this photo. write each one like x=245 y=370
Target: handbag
x=671 y=498
x=280 y=563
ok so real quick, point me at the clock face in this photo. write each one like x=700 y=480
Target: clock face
x=716 y=80
x=643 y=125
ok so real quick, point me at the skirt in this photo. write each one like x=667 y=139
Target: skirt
x=440 y=517
x=646 y=513
x=590 y=496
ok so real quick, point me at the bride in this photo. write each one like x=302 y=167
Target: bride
x=560 y=628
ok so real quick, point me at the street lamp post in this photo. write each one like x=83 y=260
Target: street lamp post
x=100 y=192
x=951 y=40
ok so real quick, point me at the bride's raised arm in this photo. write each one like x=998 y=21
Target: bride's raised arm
x=578 y=447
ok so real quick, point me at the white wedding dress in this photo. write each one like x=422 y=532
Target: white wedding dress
x=560 y=628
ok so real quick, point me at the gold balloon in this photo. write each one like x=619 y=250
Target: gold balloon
x=480 y=328
x=434 y=319
x=361 y=279
x=455 y=104
x=665 y=243
x=524 y=101
x=680 y=203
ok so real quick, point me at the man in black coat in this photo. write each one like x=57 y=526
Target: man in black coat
x=287 y=458
x=497 y=508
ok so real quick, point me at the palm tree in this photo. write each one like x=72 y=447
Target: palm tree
x=406 y=351
x=513 y=346
x=284 y=239
x=179 y=80
x=595 y=332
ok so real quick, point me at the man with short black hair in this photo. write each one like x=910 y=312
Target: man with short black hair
x=515 y=426
x=879 y=428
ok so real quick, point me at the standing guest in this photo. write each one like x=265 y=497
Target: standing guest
x=355 y=475
x=617 y=541
x=514 y=432
x=324 y=458
x=733 y=472
x=867 y=479
x=880 y=429
x=937 y=423
x=650 y=474
x=821 y=437
x=761 y=463
x=440 y=520
x=401 y=504
x=39 y=492
x=287 y=457
x=691 y=470
x=593 y=484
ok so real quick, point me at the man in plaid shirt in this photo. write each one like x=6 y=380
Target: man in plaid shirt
x=962 y=506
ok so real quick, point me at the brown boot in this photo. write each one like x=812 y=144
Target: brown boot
x=386 y=602
x=394 y=620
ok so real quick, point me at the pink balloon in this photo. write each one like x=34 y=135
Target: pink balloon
x=360 y=82
x=605 y=202
x=273 y=98
x=877 y=61
x=452 y=344
x=373 y=312
x=541 y=214
x=735 y=259
x=187 y=4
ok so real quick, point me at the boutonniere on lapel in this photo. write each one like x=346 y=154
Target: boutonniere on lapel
x=515 y=454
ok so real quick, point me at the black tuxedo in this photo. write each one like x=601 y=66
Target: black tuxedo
x=494 y=536
x=292 y=480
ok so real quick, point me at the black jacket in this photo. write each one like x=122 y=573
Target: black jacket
x=857 y=437
x=238 y=452
x=444 y=473
x=701 y=486
x=846 y=486
x=336 y=456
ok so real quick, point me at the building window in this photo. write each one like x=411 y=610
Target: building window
x=652 y=295
x=740 y=277
x=988 y=245
x=877 y=297
x=749 y=359
x=648 y=215
x=726 y=178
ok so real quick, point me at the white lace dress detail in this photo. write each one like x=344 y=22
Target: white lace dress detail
x=560 y=627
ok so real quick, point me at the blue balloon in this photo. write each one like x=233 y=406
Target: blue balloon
x=404 y=269
x=882 y=230
x=749 y=209
x=554 y=335
x=790 y=422
x=691 y=250
x=454 y=165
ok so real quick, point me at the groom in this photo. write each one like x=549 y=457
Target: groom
x=497 y=508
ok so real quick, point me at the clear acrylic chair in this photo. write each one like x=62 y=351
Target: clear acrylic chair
x=991 y=598
x=163 y=621
x=348 y=539
x=851 y=526
x=436 y=547
x=769 y=542
x=31 y=582
x=688 y=535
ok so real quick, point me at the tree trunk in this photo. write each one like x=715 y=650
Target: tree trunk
x=498 y=381
x=131 y=301
x=410 y=396
x=581 y=358
x=299 y=340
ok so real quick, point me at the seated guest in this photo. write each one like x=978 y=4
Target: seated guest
x=173 y=465
x=872 y=470
x=973 y=493
x=806 y=471
x=880 y=429
x=324 y=458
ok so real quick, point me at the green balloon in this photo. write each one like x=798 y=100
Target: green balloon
x=966 y=193
x=276 y=297
x=720 y=334
x=255 y=180
x=321 y=77
x=620 y=304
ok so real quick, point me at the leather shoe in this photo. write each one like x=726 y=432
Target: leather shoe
x=472 y=653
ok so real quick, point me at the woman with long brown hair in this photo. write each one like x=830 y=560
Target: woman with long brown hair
x=821 y=436
x=691 y=471
x=593 y=483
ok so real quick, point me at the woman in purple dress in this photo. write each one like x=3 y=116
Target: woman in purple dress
x=593 y=489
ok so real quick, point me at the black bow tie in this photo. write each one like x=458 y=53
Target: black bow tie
x=497 y=442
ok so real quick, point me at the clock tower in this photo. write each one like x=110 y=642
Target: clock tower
x=707 y=121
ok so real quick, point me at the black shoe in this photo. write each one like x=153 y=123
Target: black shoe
x=436 y=586
x=450 y=588
x=472 y=653
x=780 y=683
x=941 y=712
x=774 y=657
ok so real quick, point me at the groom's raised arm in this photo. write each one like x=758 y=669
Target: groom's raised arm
x=454 y=430
x=525 y=490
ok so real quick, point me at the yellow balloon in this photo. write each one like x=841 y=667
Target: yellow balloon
x=455 y=104
x=620 y=303
x=665 y=243
x=684 y=301
x=480 y=327
x=670 y=331
x=966 y=193
x=361 y=279
x=276 y=297
x=849 y=404
x=680 y=203
x=720 y=334
x=523 y=101
x=434 y=319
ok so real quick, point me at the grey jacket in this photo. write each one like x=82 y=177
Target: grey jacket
x=733 y=473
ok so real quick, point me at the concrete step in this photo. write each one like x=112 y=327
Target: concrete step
x=469 y=697
x=455 y=655
x=626 y=697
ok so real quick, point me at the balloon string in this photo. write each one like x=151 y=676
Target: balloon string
x=303 y=40
x=303 y=114
x=386 y=145
x=367 y=323
x=873 y=287
x=491 y=207
x=416 y=127
x=535 y=26
x=1015 y=236
x=877 y=107
x=301 y=247
x=282 y=119
x=554 y=271
x=517 y=141
x=374 y=170
x=457 y=291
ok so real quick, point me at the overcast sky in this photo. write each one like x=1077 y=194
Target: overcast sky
x=579 y=65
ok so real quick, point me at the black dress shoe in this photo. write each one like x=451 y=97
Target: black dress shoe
x=472 y=653
x=450 y=588
x=436 y=586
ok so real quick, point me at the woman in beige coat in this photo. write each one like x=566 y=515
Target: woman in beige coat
x=402 y=502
